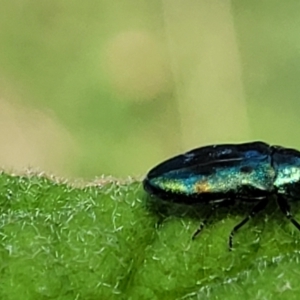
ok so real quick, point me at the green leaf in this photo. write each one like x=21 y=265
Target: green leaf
x=112 y=241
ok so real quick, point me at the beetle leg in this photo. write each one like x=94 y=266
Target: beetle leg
x=256 y=209
x=285 y=208
x=199 y=229
x=214 y=205
x=203 y=223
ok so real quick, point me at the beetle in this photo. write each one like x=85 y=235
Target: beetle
x=251 y=172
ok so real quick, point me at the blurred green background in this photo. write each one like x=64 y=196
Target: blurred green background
x=113 y=87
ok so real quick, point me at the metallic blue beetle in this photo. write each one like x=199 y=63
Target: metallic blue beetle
x=250 y=172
